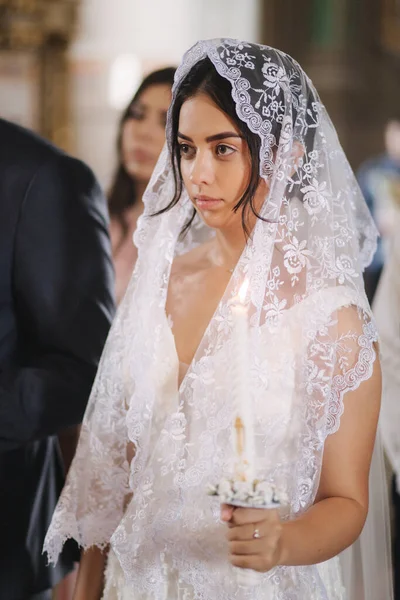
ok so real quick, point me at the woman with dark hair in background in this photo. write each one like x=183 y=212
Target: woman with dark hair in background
x=141 y=137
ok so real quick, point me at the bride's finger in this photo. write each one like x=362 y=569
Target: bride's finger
x=244 y=532
x=254 y=547
x=227 y=512
x=243 y=516
x=249 y=562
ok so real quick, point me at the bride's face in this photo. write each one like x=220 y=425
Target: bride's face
x=215 y=161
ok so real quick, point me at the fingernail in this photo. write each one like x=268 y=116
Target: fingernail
x=225 y=514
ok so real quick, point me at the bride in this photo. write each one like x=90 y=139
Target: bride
x=252 y=186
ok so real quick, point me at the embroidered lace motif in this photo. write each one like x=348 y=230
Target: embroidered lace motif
x=312 y=341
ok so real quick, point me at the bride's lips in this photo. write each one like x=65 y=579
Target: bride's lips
x=207 y=203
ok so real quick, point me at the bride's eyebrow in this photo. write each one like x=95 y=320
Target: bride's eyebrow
x=213 y=138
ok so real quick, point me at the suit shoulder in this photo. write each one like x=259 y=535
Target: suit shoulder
x=63 y=180
x=78 y=169
x=21 y=145
x=27 y=150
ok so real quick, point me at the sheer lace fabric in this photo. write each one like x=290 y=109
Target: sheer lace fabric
x=177 y=475
x=181 y=563
x=176 y=589
x=312 y=340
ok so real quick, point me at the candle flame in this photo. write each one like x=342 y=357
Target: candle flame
x=243 y=291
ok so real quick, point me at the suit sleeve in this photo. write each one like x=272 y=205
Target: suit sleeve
x=63 y=287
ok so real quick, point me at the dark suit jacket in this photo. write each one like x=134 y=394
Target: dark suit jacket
x=56 y=305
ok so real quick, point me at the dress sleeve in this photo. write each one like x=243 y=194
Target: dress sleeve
x=341 y=351
x=354 y=352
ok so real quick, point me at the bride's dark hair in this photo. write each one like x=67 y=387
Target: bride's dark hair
x=204 y=79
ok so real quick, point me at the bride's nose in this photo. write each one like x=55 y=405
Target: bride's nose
x=203 y=171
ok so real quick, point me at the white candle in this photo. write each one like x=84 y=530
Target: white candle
x=241 y=377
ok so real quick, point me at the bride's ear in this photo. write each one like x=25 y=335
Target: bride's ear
x=297 y=154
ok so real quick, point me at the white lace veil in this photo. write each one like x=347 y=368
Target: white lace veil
x=312 y=341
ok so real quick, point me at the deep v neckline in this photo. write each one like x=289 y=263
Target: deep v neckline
x=168 y=319
x=191 y=365
x=168 y=324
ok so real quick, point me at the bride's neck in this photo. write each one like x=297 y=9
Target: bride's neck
x=228 y=247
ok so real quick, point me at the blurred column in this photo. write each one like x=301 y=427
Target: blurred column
x=329 y=61
x=19 y=65
x=335 y=42
x=286 y=25
x=34 y=36
x=58 y=23
x=133 y=37
x=390 y=27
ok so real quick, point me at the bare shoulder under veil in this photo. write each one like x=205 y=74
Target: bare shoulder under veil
x=313 y=340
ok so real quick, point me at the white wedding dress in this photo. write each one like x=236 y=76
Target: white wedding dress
x=117 y=589
x=207 y=557
x=312 y=341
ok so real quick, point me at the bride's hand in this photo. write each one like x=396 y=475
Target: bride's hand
x=254 y=536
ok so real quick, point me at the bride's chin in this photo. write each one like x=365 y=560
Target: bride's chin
x=213 y=220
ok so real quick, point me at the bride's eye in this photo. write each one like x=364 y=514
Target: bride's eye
x=224 y=150
x=186 y=151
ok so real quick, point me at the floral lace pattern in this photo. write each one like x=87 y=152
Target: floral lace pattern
x=176 y=589
x=312 y=341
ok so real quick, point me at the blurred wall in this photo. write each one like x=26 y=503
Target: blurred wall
x=120 y=40
x=351 y=55
x=68 y=67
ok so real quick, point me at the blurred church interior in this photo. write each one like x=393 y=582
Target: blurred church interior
x=68 y=67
